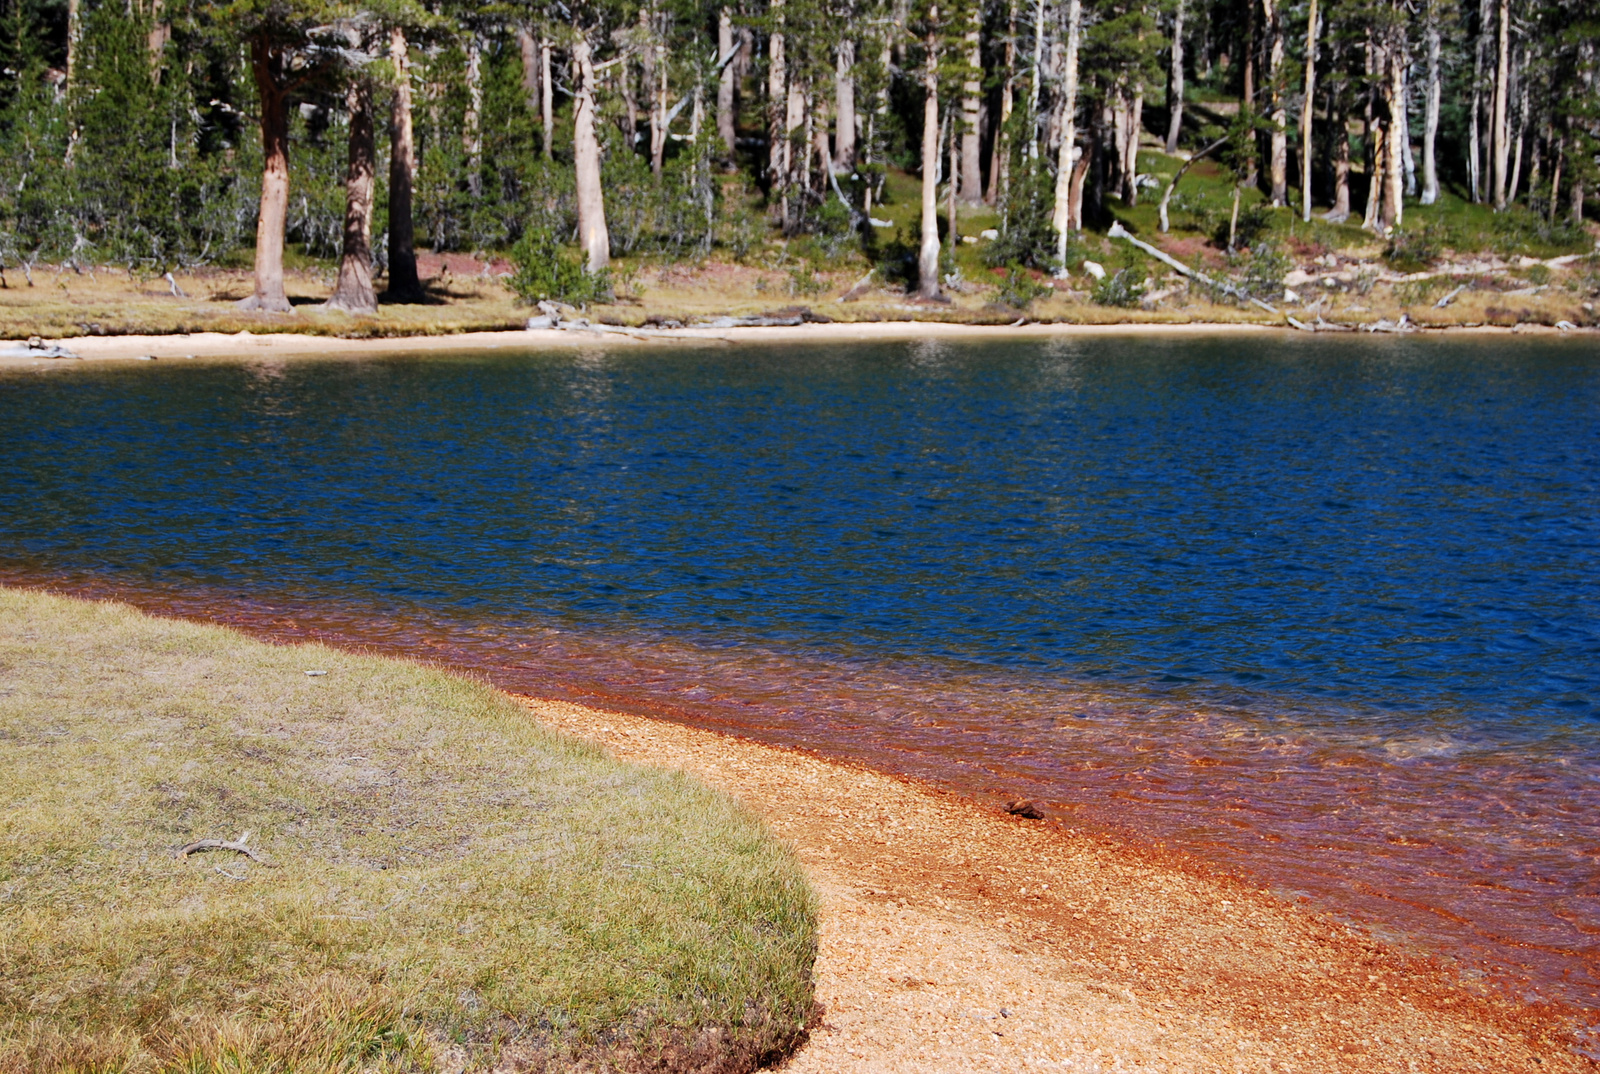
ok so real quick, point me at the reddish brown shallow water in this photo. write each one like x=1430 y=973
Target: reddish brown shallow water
x=1474 y=854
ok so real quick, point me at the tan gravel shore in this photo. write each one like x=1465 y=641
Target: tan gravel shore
x=289 y=344
x=960 y=939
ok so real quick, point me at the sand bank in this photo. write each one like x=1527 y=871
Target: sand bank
x=289 y=344
x=956 y=938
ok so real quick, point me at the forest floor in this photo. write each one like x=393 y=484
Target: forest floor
x=1456 y=265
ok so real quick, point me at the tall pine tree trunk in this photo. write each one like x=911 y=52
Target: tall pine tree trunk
x=971 y=87
x=1430 y=119
x=403 y=282
x=1307 y=145
x=1175 y=81
x=1000 y=154
x=353 y=289
x=547 y=111
x=1499 y=122
x=1340 y=119
x=1038 y=75
x=1480 y=53
x=844 y=105
x=1393 y=173
x=928 y=259
x=1278 y=139
x=268 y=63
x=658 y=107
x=1063 y=217
x=778 y=114
x=592 y=233
x=725 y=83
x=529 y=49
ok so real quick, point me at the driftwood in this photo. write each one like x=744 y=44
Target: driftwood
x=1119 y=232
x=238 y=846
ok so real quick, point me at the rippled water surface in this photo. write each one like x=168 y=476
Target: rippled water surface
x=1322 y=613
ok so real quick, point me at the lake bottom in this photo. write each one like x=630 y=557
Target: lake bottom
x=1483 y=853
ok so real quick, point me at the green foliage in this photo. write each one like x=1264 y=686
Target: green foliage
x=1264 y=273
x=546 y=272
x=1123 y=289
x=1413 y=249
x=1027 y=232
x=1021 y=289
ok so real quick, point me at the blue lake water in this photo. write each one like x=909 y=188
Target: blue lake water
x=1321 y=612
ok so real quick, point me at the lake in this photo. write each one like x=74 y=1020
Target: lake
x=1320 y=613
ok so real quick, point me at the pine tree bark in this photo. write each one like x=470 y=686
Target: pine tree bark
x=592 y=233
x=1307 y=146
x=1341 y=165
x=269 y=66
x=844 y=102
x=1430 y=119
x=1063 y=218
x=928 y=259
x=725 y=84
x=971 y=87
x=160 y=34
x=1407 y=159
x=403 y=282
x=1038 y=75
x=1278 y=139
x=353 y=289
x=529 y=49
x=1175 y=80
x=1500 y=130
x=1000 y=154
x=658 y=107
x=778 y=113
x=1475 y=130
x=1394 y=184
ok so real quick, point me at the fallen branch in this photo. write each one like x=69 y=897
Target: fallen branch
x=1167 y=196
x=1119 y=232
x=238 y=846
x=1447 y=299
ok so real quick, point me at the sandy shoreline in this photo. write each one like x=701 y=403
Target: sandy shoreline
x=957 y=938
x=290 y=344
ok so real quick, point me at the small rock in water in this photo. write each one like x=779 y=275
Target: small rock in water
x=1024 y=807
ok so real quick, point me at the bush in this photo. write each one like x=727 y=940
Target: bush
x=1263 y=276
x=1414 y=249
x=546 y=272
x=1020 y=288
x=1123 y=290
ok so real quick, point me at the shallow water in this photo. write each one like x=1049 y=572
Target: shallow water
x=1322 y=613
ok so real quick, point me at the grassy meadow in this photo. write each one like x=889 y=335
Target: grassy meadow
x=443 y=884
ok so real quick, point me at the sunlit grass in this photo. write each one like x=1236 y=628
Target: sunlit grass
x=446 y=876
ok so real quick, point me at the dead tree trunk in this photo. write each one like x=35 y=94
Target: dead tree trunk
x=592 y=233
x=1064 y=218
x=1000 y=155
x=472 y=123
x=928 y=259
x=1038 y=75
x=971 y=87
x=547 y=110
x=1306 y=144
x=1278 y=139
x=270 y=67
x=529 y=48
x=353 y=289
x=1430 y=119
x=778 y=114
x=1340 y=119
x=403 y=282
x=1175 y=80
x=844 y=106
x=725 y=84
x=1500 y=131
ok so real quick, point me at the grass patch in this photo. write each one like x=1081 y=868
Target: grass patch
x=453 y=883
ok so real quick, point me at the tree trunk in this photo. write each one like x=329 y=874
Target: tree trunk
x=1430 y=119
x=403 y=282
x=530 y=68
x=844 y=99
x=1403 y=106
x=1000 y=154
x=1499 y=123
x=1341 y=166
x=1175 y=81
x=1475 y=131
x=658 y=107
x=1394 y=185
x=73 y=31
x=156 y=40
x=971 y=87
x=1278 y=140
x=267 y=63
x=1555 y=178
x=1063 y=219
x=353 y=290
x=1575 y=205
x=928 y=261
x=1306 y=143
x=778 y=113
x=951 y=232
x=592 y=234
x=471 y=123
x=1521 y=129
x=547 y=111
x=1038 y=74
x=725 y=82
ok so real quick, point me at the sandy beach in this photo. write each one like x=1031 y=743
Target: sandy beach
x=274 y=345
x=956 y=938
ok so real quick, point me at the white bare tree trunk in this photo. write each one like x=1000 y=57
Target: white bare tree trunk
x=971 y=87
x=1000 y=157
x=472 y=123
x=844 y=105
x=1393 y=173
x=1175 y=79
x=777 y=112
x=547 y=109
x=725 y=81
x=592 y=233
x=529 y=48
x=1038 y=74
x=1062 y=218
x=928 y=260
x=1430 y=119
x=1307 y=146
x=1278 y=140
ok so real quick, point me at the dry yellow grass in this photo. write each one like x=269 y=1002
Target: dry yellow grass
x=450 y=884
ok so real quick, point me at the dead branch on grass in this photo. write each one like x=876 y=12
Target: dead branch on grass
x=238 y=846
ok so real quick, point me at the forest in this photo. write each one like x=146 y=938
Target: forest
x=169 y=135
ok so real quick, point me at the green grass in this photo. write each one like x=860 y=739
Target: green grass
x=452 y=881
